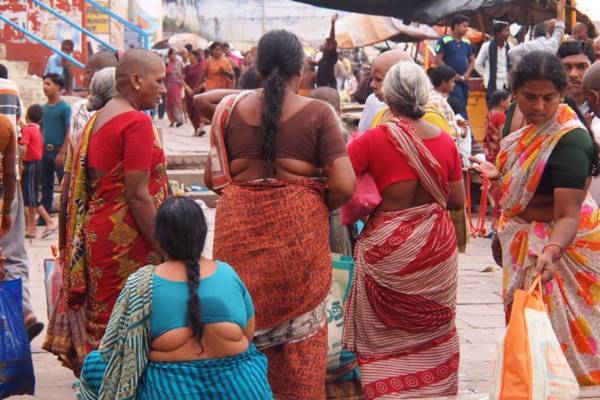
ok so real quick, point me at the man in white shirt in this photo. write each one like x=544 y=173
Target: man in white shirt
x=540 y=32
x=372 y=107
x=375 y=102
x=492 y=62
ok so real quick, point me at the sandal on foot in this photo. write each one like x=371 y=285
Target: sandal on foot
x=34 y=328
x=49 y=232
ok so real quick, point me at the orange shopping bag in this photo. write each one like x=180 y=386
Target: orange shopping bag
x=530 y=363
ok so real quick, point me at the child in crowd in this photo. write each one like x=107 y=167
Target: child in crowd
x=31 y=149
x=494 y=123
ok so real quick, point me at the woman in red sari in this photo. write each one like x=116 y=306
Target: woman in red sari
x=284 y=155
x=118 y=183
x=175 y=84
x=401 y=310
x=193 y=80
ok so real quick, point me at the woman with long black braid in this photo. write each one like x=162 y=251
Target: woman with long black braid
x=198 y=325
x=279 y=162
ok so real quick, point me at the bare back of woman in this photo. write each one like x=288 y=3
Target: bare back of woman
x=221 y=339
x=409 y=194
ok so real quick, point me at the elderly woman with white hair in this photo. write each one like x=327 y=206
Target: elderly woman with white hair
x=401 y=311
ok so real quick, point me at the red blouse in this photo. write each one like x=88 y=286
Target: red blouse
x=372 y=152
x=128 y=138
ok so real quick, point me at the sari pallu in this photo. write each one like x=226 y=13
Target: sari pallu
x=401 y=310
x=572 y=299
x=104 y=244
x=276 y=235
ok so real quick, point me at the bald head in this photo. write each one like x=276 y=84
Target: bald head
x=388 y=59
x=101 y=60
x=580 y=31
x=596 y=46
x=382 y=64
x=138 y=62
x=328 y=95
x=140 y=78
x=591 y=79
x=95 y=63
x=591 y=87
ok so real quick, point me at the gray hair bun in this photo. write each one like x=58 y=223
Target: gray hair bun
x=102 y=88
x=406 y=88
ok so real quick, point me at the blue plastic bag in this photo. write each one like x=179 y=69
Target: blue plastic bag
x=16 y=366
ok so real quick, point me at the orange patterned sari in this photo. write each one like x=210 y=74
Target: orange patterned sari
x=275 y=234
x=573 y=297
x=104 y=244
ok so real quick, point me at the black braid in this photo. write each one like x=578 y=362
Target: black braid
x=280 y=56
x=181 y=232
x=274 y=93
x=193 y=275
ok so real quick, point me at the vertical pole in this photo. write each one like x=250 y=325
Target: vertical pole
x=573 y=15
x=426 y=49
x=84 y=46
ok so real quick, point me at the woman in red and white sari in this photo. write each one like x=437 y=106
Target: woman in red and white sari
x=401 y=311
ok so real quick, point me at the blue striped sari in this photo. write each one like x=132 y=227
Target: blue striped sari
x=230 y=378
x=120 y=369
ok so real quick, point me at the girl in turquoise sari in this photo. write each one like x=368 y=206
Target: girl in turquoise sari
x=180 y=330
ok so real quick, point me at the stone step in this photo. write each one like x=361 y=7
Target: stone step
x=187 y=177
x=186 y=161
x=209 y=198
x=16 y=69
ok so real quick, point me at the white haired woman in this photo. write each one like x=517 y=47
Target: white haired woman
x=401 y=310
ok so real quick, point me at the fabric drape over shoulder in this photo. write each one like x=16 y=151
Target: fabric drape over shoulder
x=572 y=298
x=401 y=310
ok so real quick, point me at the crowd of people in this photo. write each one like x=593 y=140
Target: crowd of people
x=142 y=314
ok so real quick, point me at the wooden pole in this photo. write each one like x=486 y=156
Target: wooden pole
x=573 y=15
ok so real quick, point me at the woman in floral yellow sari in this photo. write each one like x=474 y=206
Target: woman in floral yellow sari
x=549 y=224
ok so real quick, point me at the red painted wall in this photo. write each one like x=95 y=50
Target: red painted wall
x=18 y=46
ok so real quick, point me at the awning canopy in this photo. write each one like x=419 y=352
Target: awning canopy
x=359 y=30
x=483 y=12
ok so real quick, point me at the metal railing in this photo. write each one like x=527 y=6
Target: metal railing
x=75 y=25
x=41 y=41
x=125 y=22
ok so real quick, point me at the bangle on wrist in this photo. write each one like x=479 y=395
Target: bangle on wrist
x=556 y=250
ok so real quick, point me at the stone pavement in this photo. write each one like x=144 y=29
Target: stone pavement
x=480 y=318
x=480 y=321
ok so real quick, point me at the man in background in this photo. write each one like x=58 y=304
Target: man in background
x=326 y=65
x=493 y=63
x=455 y=51
x=55 y=129
x=546 y=35
x=61 y=66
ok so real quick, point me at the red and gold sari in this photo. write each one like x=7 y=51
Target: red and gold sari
x=275 y=234
x=104 y=243
x=401 y=310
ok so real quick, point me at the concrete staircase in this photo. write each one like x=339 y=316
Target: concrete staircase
x=30 y=87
